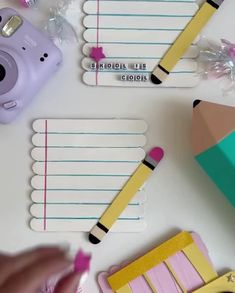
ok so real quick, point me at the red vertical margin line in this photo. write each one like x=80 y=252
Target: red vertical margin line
x=97 y=38
x=45 y=179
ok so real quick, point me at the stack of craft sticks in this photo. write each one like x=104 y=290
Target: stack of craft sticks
x=134 y=36
x=80 y=166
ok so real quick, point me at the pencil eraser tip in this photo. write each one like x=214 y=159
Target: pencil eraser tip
x=155 y=80
x=196 y=102
x=156 y=154
x=93 y=239
x=82 y=262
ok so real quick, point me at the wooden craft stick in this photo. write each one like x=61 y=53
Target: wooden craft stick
x=89 y=140
x=79 y=211
x=141 y=51
x=75 y=225
x=91 y=126
x=149 y=260
x=175 y=261
x=141 y=8
x=225 y=283
x=88 y=154
x=136 y=22
x=188 y=79
x=142 y=173
x=184 y=40
x=184 y=65
x=86 y=168
x=200 y=263
x=83 y=196
x=80 y=182
x=132 y=36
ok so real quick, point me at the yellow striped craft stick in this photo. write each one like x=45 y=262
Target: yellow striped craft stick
x=112 y=213
x=183 y=242
x=184 y=40
x=224 y=284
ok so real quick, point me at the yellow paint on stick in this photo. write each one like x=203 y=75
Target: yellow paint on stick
x=149 y=260
x=124 y=289
x=225 y=283
x=186 y=38
x=200 y=263
x=121 y=201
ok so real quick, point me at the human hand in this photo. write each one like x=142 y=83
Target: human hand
x=28 y=272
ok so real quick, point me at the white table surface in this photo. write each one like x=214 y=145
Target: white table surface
x=180 y=196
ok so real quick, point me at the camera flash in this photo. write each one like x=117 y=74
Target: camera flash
x=11 y=26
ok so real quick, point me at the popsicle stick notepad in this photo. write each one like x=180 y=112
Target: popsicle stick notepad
x=179 y=265
x=126 y=39
x=80 y=166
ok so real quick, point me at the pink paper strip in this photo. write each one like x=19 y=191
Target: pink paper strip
x=163 y=280
x=139 y=285
x=161 y=277
x=186 y=273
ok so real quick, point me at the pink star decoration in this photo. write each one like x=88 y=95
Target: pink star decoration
x=97 y=53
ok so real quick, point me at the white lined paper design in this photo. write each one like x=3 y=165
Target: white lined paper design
x=82 y=196
x=74 y=225
x=80 y=166
x=172 y=8
x=86 y=168
x=134 y=35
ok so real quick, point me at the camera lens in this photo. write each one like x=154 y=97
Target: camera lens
x=8 y=72
x=2 y=72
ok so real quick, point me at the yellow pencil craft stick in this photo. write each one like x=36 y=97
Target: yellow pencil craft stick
x=121 y=201
x=225 y=283
x=184 y=40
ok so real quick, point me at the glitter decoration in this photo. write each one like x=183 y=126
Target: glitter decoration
x=218 y=62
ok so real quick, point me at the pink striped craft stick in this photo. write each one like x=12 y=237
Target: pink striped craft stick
x=176 y=274
x=162 y=280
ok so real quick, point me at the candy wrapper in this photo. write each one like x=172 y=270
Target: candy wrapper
x=218 y=62
x=57 y=26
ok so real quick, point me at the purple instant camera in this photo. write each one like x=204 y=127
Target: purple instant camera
x=28 y=58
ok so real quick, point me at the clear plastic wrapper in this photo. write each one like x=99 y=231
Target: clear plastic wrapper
x=57 y=26
x=217 y=61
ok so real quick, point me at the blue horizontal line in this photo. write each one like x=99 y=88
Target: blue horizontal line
x=90 y=147
x=84 y=175
x=66 y=189
x=146 y=15
x=135 y=29
x=147 y=58
x=81 y=203
x=95 y=133
x=131 y=43
x=86 y=218
x=86 y=161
